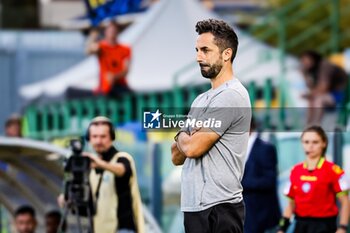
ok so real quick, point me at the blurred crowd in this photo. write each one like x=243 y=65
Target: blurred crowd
x=25 y=220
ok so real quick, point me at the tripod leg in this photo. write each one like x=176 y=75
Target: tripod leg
x=64 y=216
x=91 y=222
x=78 y=219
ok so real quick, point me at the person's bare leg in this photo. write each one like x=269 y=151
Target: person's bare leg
x=310 y=111
x=317 y=110
x=321 y=102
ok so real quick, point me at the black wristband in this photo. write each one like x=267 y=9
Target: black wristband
x=283 y=224
x=344 y=227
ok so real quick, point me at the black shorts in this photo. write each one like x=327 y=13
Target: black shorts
x=316 y=225
x=222 y=218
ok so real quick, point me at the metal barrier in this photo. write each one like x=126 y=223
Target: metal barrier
x=71 y=117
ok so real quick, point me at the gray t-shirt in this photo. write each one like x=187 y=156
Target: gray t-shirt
x=216 y=176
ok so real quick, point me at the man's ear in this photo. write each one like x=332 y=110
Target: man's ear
x=227 y=54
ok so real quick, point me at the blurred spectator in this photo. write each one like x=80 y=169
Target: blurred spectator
x=260 y=185
x=326 y=82
x=52 y=222
x=13 y=126
x=114 y=60
x=25 y=221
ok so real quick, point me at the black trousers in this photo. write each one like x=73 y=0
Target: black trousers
x=222 y=218
x=315 y=225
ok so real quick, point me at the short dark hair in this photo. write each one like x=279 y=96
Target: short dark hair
x=101 y=120
x=25 y=209
x=114 y=24
x=225 y=36
x=13 y=119
x=54 y=214
x=253 y=124
x=313 y=55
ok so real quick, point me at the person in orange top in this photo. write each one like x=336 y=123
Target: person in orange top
x=314 y=187
x=114 y=60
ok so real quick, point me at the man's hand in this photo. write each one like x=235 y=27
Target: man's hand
x=110 y=78
x=96 y=162
x=340 y=230
x=60 y=201
x=93 y=34
x=176 y=156
x=198 y=143
x=92 y=46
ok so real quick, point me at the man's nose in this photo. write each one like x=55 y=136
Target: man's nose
x=98 y=140
x=199 y=57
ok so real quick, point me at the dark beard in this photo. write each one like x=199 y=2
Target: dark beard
x=212 y=72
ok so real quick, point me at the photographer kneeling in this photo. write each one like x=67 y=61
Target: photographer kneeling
x=113 y=183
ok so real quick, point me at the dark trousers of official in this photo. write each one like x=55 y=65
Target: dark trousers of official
x=222 y=218
x=316 y=225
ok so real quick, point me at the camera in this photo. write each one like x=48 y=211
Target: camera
x=77 y=185
x=78 y=166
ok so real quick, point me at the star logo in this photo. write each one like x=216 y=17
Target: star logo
x=156 y=115
x=151 y=120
